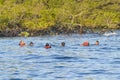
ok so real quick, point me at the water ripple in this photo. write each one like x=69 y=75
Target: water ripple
x=71 y=62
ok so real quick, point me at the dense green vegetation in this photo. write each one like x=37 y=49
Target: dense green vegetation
x=38 y=17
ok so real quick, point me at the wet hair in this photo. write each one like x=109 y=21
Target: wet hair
x=97 y=41
x=31 y=43
x=63 y=43
x=47 y=44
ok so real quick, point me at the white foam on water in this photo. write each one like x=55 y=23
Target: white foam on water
x=110 y=33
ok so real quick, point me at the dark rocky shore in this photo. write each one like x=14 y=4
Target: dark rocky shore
x=57 y=30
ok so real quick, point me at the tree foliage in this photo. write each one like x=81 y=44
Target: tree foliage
x=35 y=15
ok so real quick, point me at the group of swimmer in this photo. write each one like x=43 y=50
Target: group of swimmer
x=47 y=45
x=22 y=43
x=86 y=43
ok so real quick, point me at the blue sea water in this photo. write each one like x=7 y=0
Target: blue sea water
x=72 y=62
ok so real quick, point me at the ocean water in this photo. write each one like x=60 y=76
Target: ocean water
x=72 y=62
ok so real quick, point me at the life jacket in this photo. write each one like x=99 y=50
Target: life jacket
x=86 y=43
x=47 y=47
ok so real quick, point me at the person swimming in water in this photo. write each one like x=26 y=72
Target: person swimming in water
x=97 y=43
x=86 y=43
x=63 y=44
x=31 y=44
x=22 y=43
x=47 y=46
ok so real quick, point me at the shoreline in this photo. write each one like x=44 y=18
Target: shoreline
x=18 y=33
